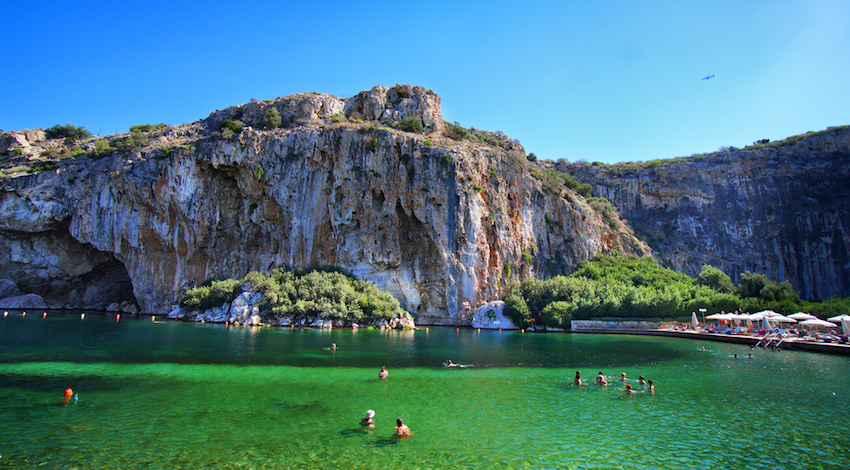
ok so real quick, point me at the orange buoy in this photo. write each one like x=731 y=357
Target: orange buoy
x=5 y=313
x=68 y=393
x=44 y=315
x=82 y=316
x=117 y=317
x=23 y=314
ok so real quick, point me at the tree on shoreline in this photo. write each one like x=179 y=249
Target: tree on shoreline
x=638 y=288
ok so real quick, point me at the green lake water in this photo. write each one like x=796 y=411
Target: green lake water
x=176 y=395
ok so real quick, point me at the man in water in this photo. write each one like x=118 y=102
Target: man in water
x=383 y=373
x=402 y=430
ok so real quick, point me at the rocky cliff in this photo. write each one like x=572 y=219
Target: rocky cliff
x=777 y=208
x=440 y=216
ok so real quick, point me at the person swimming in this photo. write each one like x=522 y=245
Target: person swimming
x=402 y=430
x=578 y=380
x=601 y=379
x=368 y=420
x=623 y=377
x=651 y=386
x=641 y=381
x=449 y=363
x=629 y=390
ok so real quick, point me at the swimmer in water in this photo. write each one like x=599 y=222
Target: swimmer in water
x=367 y=420
x=402 y=430
x=332 y=348
x=383 y=373
x=600 y=379
x=449 y=363
x=702 y=348
x=641 y=381
x=629 y=390
x=651 y=386
x=578 y=380
x=623 y=377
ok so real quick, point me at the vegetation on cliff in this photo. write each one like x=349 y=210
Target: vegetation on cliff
x=300 y=293
x=638 y=288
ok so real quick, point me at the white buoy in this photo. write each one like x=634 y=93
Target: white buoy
x=82 y=316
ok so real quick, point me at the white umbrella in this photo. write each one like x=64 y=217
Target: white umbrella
x=800 y=316
x=694 y=320
x=719 y=316
x=845 y=327
x=765 y=324
x=818 y=322
x=766 y=312
x=839 y=318
x=782 y=319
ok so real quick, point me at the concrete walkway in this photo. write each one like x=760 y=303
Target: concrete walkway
x=790 y=344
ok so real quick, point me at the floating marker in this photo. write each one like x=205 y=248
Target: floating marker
x=5 y=313
x=44 y=315
x=117 y=317
x=23 y=314
x=82 y=316
x=153 y=318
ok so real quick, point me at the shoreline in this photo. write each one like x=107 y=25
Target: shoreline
x=791 y=344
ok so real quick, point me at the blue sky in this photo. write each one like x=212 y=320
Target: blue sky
x=601 y=81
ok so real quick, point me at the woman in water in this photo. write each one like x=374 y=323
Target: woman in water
x=600 y=379
x=578 y=380
x=367 y=420
x=629 y=390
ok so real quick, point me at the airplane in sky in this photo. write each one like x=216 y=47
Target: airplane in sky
x=706 y=78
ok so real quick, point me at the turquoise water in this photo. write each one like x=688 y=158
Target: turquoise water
x=183 y=395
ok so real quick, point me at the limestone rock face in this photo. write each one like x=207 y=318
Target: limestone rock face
x=24 y=301
x=491 y=316
x=777 y=210
x=443 y=225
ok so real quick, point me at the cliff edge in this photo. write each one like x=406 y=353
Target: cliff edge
x=440 y=216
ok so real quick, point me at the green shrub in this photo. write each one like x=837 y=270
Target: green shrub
x=133 y=142
x=272 y=119
x=301 y=293
x=102 y=149
x=43 y=166
x=532 y=157
x=67 y=132
x=373 y=143
x=210 y=294
x=455 y=131
x=415 y=125
x=233 y=126
x=148 y=127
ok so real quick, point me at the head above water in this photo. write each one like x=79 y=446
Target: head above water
x=370 y=414
x=399 y=422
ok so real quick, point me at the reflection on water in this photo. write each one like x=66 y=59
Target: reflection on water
x=180 y=395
